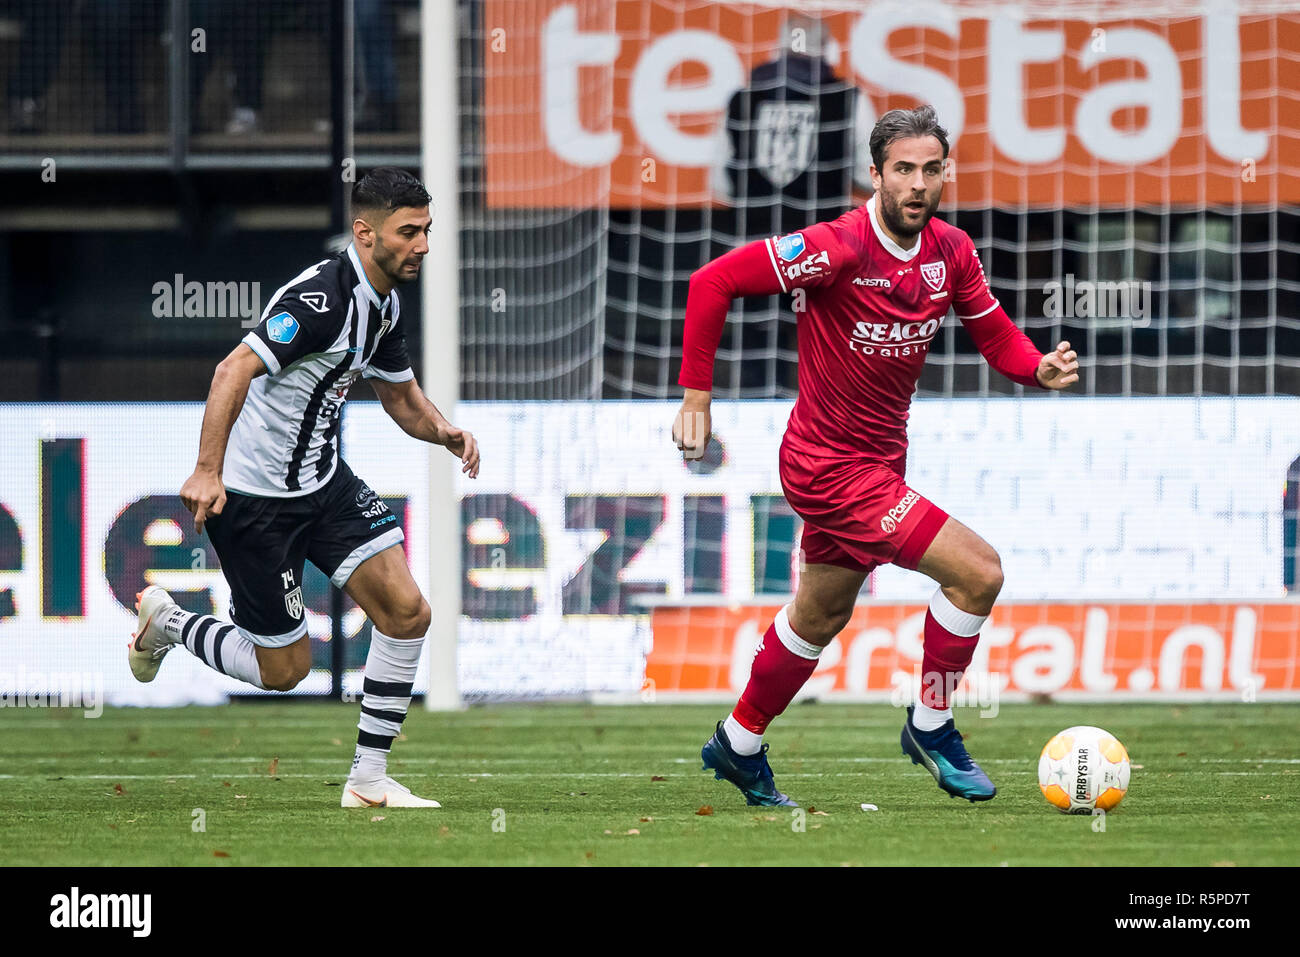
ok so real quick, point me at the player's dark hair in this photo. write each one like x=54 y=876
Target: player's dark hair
x=388 y=188
x=904 y=124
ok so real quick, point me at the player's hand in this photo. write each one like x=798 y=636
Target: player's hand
x=204 y=495
x=693 y=424
x=461 y=443
x=1058 y=369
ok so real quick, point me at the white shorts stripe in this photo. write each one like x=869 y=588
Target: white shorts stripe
x=390 y=538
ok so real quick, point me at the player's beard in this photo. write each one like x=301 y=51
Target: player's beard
x=891 y=210
x=391 y=265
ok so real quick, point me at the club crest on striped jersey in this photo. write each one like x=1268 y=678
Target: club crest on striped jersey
x=282 y=328
x=934 y=274
x=789 y=247
x=293 y=603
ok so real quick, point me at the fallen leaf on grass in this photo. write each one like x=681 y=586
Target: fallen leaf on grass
x=590 y=855
x=633 y=830
x=657 y=777
x=118 y=789
x=705 y=811
x=225 y=784
x=275 y=763
x=444 y=830
x=240 y=797
x=376 y=818
x=646 y=820
x=220 y=853
x=813 y=810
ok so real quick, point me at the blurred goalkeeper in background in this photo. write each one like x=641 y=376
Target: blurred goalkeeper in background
x=272 y=491
x=870 y=290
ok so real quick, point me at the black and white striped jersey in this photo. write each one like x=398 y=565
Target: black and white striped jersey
x=322 y=330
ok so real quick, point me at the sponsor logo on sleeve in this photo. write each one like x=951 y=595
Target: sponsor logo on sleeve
x=789 y=247
x=812 y=265
x=282 y=328
x=316 y=300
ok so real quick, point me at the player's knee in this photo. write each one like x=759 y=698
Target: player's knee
x=283 y=675
x=409 y=619
x=819 y=625
x=988 y=579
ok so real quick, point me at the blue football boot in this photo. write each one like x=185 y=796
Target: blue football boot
x=751 y=773
x=945 y=757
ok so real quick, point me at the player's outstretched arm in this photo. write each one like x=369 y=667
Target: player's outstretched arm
x=1058 y=369
x=203 y=493
x=750 y=270
x=408 y=406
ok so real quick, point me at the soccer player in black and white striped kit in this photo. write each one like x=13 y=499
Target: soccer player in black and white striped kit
x=272 y=491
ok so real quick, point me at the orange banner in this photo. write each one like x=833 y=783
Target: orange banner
x=588 y=102
x=1031 y=648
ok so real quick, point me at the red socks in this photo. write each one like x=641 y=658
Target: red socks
x=950 y=639
x=782 y=664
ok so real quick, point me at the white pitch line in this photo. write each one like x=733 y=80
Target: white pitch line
x=135 y=759
x=491 y=774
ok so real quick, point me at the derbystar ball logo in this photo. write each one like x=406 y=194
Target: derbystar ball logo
x=889 y=522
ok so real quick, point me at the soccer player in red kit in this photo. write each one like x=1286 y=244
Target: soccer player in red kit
x=875 y=285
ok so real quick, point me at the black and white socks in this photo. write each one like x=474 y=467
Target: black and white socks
x=390 y=675
x=216 y=643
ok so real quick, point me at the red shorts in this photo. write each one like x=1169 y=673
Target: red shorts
x=858 y=513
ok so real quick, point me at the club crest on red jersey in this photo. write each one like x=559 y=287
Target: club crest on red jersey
x=934 y=274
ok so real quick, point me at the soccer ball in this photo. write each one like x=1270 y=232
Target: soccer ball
x=1083 y=768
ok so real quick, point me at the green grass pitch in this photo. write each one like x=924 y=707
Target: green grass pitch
x=581 y=785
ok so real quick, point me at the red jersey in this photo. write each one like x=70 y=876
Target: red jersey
x=870 y=310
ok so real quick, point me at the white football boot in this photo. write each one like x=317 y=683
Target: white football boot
x=385 y=793
x=150 y=644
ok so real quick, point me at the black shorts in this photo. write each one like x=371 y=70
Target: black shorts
x=262 y=543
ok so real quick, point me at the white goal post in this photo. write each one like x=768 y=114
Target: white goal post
x=440 y=293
